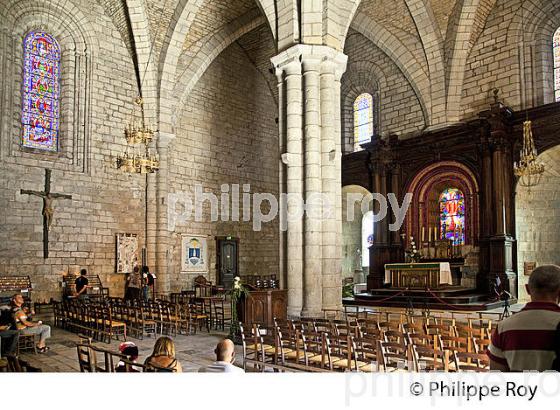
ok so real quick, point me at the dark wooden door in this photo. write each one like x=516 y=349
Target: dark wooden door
x=227 y=259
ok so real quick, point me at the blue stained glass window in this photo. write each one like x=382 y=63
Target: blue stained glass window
x=452 y=216
x=363 y=120
x=41 y=91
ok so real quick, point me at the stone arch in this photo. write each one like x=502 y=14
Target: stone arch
x=430 y=178
x=79 y=48
x=404 y=59
x=211 y=49
x=532 y=27
x=361 y=77
x=432 y=44
x=351 y=230
x=147 y=66
x=172 y=49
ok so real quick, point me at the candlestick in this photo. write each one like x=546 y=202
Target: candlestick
x=429 y=234
x=423 y=237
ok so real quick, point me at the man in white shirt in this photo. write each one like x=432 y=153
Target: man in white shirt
x=225 y=356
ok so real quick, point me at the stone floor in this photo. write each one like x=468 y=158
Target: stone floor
x=192 y=351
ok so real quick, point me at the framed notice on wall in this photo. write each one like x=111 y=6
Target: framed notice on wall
x=194 y=253
x=127 y=252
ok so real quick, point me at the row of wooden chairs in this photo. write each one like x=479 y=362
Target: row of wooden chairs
x=338 y=345
x=96 y=320
x=94 y=359
x=139 y=318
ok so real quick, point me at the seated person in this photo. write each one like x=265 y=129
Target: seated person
x=8 y=335
x=130 y=350
x=163 y=358
x=27 y=327
x=225 y=356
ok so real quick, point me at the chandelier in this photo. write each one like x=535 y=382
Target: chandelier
x=137 y=158
x=528 y=170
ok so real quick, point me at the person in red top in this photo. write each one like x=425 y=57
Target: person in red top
x=527 y=340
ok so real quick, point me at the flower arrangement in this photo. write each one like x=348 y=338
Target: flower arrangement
x=238 y=292
x=412 y=252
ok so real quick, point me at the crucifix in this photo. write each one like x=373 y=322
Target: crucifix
x=48 y=208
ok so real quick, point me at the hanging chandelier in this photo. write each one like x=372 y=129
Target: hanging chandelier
x=528 y=170
x=137 y=158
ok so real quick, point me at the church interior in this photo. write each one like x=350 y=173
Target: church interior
x=160 y=162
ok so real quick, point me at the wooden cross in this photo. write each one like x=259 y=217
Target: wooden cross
x=48 y=208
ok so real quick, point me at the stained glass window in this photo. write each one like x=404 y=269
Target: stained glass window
x=363 y=120
x=556 y=51
x=41 y=91
x=452 y=216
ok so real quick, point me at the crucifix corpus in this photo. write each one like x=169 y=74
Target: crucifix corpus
x=48 y=208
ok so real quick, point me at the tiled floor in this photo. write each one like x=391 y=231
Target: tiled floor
x=192 y=351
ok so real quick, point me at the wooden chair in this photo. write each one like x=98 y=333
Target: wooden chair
x=266 y=345
x=366 y=353
x=344 y=353
x=443 y=330
x=392 y=357
x=16 y=365
x=26 y=342
x=86 y=358
x=169 y=318
x=249 y=343
x=430 y=359
x=475 y=362
x=220 y=319
x=290 y=344
x=198 y=315
x=110 y=328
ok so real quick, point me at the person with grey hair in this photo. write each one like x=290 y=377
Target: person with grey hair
x=527 y=340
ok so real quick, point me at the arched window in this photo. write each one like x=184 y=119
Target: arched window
x=363 y=120
x=41 y=91
x=452 y=216
x=556 y=51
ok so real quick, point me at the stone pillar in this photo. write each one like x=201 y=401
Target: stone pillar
x=332 y=68
x=282 y=250
x=288 y=69
x=313 y=160
x=162 y=250
x=312 y=296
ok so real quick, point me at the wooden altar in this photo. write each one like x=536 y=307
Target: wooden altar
x=418 y=275
x=262 y=306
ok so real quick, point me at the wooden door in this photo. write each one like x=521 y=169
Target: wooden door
x=227 y=260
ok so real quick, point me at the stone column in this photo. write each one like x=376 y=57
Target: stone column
x=333 y=66
x=282 y=251
x=288 y=68
x=313 y=254
x=312 y=266
x=162 y=249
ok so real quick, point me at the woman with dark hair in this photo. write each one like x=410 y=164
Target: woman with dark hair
x=148 y=282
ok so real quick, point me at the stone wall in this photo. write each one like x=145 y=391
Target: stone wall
x=397 y=111
x=537 y=218
x=98 y=86
x=227 y=134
